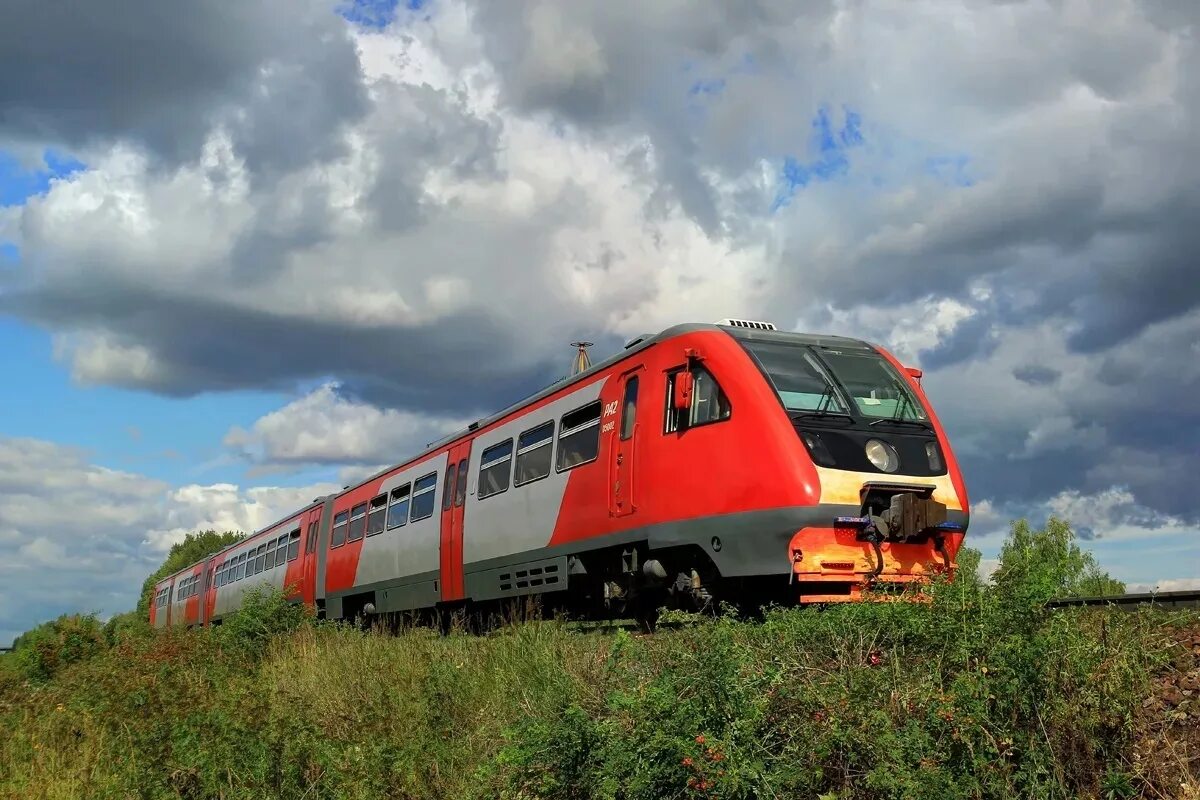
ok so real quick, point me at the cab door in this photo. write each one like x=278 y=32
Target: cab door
x=454 y=496
x=622 y=469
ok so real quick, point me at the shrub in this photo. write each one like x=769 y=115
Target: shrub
x=43 y=651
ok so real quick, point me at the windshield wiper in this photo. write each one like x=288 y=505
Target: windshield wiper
x=822 y=409
x=895 y=421
x=806 y=414
x=898 y=417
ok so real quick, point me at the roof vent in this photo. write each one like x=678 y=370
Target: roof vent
x=638 y=340
x=748 y=323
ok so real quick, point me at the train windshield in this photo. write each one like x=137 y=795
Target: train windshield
x=803 y=381
x=874 y=384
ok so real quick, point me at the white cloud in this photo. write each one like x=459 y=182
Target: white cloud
x=75 y=536
x=323 y=427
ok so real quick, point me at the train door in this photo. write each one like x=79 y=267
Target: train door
x=454 y=496
x=310 y=527
x=622 y=470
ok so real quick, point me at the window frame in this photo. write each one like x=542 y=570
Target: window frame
x=355 y=516
x=293 y=538
x=449 y=486
x=671 y=416
x=460 y=491
x=415 y=494
x=599 y=404
x=405 y=499
x=373 y=511
x=484 y=465
x=344 y=525
x=519 y=451
x=626 y=417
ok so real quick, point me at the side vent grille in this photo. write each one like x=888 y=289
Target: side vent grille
x=529 y=578
x=748 y=323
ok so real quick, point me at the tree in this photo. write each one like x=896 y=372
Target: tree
x=1039 y=565
x=193 y=548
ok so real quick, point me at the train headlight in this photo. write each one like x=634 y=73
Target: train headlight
x=883 y=456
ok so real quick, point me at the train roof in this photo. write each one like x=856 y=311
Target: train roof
x=738 y=329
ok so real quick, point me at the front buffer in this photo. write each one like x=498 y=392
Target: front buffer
x=910 y=542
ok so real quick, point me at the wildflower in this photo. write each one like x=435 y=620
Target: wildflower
x=687 y=762
x=59 y=707
x=700 y=739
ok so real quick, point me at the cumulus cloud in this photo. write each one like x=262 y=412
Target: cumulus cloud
x=77 y=536
x=324 y=427
x=280 y=75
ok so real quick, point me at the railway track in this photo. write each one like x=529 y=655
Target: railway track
x=1129 y=602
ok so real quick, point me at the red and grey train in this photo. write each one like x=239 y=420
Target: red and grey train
x=729 y=461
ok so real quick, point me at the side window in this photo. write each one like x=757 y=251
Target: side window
x=340 y=523
x=377 y=515
x=448 y=487
x=358 y=522
x=533 y=453
x=579 y=437
x=460 y=495
x=241 y=567
x=397 y=513
x=629 y=407
x=422 y=497
x=260 y=559
x=494 y=467
x=310 y=541
x=281 y=546
x=293 y=550
x=270 y=555
x=709 y=403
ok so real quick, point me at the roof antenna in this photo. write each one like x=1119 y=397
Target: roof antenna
x=582 y=362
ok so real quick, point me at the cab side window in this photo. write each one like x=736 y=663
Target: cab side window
x=709 y=403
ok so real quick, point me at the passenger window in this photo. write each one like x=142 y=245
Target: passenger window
x=533 y=453
x=494 y=466
x=579 y=437
x=448 y=487
x=460 y=495
x=241 y=567
x=310 y=542
x=293 y=548
x=377 y=515
x=397 y=513
x=270 y=555
x=629 y=407
x=358 y=522
x=422 y=497
x=709 y=403
x=260 y=560
x=340 y=523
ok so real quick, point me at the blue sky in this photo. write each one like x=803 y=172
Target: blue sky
x=174 y=439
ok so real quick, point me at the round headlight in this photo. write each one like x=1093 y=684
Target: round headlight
x=883 y=455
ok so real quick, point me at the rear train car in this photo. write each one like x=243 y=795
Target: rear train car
x=708 y=462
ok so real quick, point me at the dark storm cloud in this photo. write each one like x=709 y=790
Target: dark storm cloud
x=460 y=363
x=281 y=74
x=1036 y=374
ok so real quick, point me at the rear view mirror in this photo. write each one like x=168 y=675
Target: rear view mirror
x=915 y=373
x=683 y=390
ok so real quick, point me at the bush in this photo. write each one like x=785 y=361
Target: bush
x=48 y=648
x=265 y=613
x=981 y=693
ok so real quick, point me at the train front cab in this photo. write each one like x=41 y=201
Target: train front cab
x=891 y=507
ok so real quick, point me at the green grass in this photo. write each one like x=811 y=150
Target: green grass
x=980 y=694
